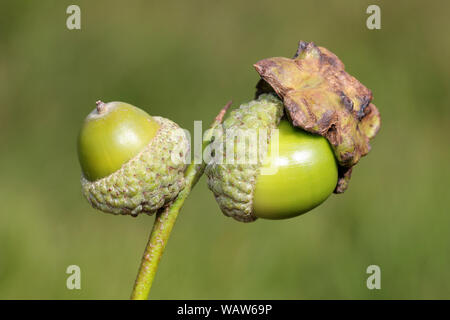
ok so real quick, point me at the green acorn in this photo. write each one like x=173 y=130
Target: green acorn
x=300 y=175
x=131 y=162
x=325 y=121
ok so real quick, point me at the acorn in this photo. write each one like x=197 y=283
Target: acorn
x=299 y=176
x=325 y=120
x=131 y=162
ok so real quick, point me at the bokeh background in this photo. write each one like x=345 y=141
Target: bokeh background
x=184 y=60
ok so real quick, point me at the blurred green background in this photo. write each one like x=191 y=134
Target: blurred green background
x=184 y=60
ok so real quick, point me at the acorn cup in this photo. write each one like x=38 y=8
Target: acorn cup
x=325 y=121
x=131 y=162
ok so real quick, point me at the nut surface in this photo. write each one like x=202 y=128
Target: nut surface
x=112 y=134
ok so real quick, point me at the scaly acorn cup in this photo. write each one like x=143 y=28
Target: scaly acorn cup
x=325 y=121
x=131 y=162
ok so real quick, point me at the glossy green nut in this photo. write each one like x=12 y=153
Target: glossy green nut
x=293 y=176
x=305 y=174
x=148 y=151
x=111 y=135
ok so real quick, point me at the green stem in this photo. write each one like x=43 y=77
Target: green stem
x=163 y=225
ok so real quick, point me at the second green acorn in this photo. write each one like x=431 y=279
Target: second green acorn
x=297 y=173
